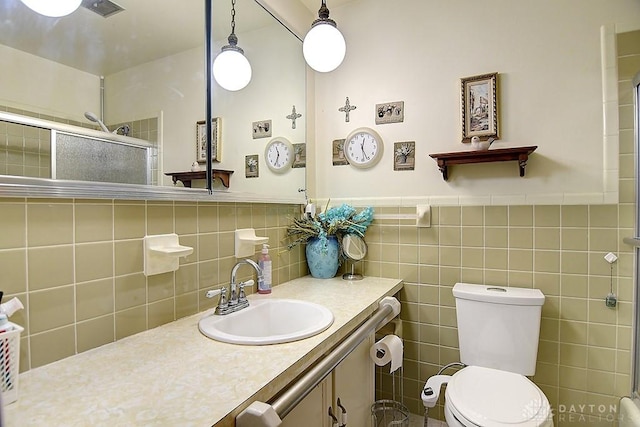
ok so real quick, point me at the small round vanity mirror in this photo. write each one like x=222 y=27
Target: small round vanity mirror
x=354 y=248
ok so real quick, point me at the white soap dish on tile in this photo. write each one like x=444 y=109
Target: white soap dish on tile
x=246 y=242
x=162 y=253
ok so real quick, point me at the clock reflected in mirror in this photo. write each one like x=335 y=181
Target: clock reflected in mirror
x=279 y=154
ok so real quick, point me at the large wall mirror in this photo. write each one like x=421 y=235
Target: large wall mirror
x=140 y=71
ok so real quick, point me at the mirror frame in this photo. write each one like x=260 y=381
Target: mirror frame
x=208 y=69
x=19 y=186
x=359 y=240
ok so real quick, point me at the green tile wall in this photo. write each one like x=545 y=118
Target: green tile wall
x=77 y=266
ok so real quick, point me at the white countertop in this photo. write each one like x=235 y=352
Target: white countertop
x=175 y=376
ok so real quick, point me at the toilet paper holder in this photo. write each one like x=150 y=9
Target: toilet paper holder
x=393 y=327
x=388 y=350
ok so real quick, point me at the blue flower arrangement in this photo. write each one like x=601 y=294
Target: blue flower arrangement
x=336 y=221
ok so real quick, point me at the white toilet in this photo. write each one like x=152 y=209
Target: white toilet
x=498 y=330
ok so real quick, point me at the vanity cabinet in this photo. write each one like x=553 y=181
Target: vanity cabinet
x=182 y=354
x=352 y=381
x=312 y=411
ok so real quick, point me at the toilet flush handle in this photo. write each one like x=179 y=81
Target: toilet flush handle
x=431 y=391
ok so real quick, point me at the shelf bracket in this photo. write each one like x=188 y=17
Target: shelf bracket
x=522 y=163
x=442 y=166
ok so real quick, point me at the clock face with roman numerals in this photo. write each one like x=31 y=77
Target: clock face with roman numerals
x=279 y=154
x=363 y=148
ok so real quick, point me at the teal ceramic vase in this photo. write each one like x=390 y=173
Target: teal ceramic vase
x=322 y=258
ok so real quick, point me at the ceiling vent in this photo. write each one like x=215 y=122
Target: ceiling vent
x=104 y=8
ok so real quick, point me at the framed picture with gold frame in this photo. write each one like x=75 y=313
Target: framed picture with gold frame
x=479 y=106
x=201 y=140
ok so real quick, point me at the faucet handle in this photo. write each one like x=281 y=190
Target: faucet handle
x=213 y=292
x=223 y=295
x=241 y=295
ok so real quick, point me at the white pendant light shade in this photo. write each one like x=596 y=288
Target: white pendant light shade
x=324 y=47
x=53 y=8
x=231 y=69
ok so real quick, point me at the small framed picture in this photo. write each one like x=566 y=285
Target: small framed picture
x=251 y=169
x=390 y=112
x=201 y=140
x=337 y=153
x=404 y=156
x=261 y=129
x=479 y=106
x=299 y=156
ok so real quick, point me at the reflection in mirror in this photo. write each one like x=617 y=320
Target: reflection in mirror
x=355 y=249
x=46 y=149
x=264 y=110
x=140 y=69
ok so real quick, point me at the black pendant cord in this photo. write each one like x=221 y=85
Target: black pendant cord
x=233 y=16
x=233 y=39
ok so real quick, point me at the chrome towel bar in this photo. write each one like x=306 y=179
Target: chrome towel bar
x=260 y=414
x=632 y=241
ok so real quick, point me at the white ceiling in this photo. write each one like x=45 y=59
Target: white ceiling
x=146 y=30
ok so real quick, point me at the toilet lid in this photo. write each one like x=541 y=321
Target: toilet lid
x=492 y=398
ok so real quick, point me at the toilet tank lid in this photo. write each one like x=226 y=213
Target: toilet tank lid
x=498 y=294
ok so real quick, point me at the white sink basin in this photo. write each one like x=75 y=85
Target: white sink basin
x=268 y=321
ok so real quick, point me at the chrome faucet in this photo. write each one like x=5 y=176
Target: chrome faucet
x=237 y=298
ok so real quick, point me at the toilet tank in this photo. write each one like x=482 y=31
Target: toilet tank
x=498 y=327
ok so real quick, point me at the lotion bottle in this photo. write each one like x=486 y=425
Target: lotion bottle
x=264 y=261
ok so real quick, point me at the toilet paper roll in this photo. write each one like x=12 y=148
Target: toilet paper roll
x=388 y=349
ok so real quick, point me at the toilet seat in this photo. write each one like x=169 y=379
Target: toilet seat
x=486 y=397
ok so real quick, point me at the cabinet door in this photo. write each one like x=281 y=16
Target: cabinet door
x=312 y=411
x=353 y=383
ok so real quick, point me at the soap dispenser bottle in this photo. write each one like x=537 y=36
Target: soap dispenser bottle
x=264 y=261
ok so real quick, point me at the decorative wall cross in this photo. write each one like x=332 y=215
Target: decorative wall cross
x=346 y=109
x=293 y=116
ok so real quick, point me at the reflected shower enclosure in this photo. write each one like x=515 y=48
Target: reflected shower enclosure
x=44 y=149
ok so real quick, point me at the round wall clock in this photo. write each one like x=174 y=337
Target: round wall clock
x=279 y=154
x=363 y=148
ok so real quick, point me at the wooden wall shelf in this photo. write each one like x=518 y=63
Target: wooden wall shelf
x=187 y=177
x=521 y=154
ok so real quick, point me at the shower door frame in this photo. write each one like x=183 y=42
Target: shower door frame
x=636 y=240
